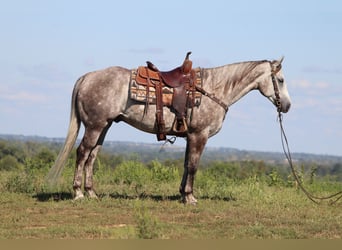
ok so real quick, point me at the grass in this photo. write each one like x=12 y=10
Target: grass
x=277 y=214
x=146 y=205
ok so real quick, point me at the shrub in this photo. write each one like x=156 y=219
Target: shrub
x=213 y=186
x=132 y=173
x=161 y=174
x=23 y=182
x=9 y=163
x=274 y=179
x=220 y=169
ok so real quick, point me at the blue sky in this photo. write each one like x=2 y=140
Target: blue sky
x=46 y=45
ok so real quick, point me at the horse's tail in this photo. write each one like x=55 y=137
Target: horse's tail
x=74 y=126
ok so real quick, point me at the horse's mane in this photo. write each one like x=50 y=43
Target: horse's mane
x=237 y=72
x=245 y=70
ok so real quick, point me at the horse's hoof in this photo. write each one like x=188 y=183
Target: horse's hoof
x=189 y=199
x=91 y=194
x=78 y=194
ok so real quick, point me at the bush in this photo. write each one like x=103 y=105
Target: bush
x=274 y=179
x=30 y=177
x=211 y=185
x=161 y=174
x=220 y=169
x=23 y=182
x=9 y=163
x=132 y=173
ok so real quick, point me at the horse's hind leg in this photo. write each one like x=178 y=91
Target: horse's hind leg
x=88 y=178
x=89 y=165
x=86 y=155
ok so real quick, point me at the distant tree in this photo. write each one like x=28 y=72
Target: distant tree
x=14 y=149
x=8 y=163
x=46 y=155
x=220 y=169
x=337 y=171
x=44 y=159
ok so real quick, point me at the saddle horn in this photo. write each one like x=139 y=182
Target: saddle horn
x=187 y=64
x=187 y=55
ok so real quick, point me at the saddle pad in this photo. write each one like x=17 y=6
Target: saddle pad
x=138 y=92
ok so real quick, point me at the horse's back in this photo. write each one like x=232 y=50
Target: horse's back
x=104 y=83
x=108 y=75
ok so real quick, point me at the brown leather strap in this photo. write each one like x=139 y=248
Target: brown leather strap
x=160 y=123
x=212 y=97
x=192 y=85
x=147 y=93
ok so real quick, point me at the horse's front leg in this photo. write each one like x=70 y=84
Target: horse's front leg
x=194 y=148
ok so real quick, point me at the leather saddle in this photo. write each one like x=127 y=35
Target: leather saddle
x=176 y=77
x=182 y=80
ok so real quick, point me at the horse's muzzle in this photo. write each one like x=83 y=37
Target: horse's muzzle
x=285 y=107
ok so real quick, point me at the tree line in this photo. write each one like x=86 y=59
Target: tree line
x=16 y=155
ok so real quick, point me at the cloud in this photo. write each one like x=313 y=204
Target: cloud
x=304 y=103
x=307 y=85
x=24 y=96
x=12 y=94
x=320 y=97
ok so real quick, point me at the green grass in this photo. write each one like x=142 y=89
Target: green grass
x=25 y=217
x=143 y=202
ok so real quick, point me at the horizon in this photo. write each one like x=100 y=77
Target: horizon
x=161 y=144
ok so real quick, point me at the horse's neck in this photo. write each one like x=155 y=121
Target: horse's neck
x=233 y=81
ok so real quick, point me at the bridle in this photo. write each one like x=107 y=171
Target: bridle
x=276 y=92
x=276 y=87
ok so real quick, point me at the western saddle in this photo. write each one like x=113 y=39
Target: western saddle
x=182 y=80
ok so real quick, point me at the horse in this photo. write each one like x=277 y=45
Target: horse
x=101 y=97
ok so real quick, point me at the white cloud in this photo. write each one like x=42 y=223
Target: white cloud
x=15 y=95
x=26 y=97
x=304 y=103
x=322 y=85
x=308 y=85
x=318 y=98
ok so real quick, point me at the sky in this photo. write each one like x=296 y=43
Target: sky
x=46 y=45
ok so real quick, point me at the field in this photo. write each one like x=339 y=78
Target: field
x=140 y=201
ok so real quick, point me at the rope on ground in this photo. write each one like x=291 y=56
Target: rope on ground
x=333 y=198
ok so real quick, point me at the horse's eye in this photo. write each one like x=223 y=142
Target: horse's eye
x=281 y=80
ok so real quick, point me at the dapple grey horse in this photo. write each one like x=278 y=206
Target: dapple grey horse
x=102 y=97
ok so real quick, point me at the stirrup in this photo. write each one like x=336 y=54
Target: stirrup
x=180 y=126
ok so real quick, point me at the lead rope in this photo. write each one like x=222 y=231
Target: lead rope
x=337 y=196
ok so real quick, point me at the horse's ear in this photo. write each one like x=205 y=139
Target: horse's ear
x=276 y=65
x=281 y=60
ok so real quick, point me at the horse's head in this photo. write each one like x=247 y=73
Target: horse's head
x=273 y=87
